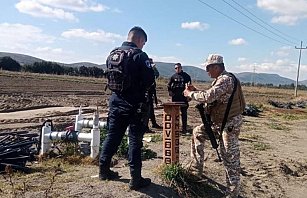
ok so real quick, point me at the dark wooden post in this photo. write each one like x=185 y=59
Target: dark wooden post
x=171 y=132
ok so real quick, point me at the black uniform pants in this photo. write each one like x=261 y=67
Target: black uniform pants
x=121 y=115
x=183 y=109
x=152 y=116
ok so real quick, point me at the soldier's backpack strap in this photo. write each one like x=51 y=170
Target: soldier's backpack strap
x=229 y=102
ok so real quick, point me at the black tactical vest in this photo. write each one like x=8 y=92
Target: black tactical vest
x=117 y=68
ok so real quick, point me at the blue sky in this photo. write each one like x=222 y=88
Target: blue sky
x=258 y=35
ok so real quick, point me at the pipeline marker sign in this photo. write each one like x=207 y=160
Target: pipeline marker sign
x=171 y=131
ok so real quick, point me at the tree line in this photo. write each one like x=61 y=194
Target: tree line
x=286 y=86
x=46 y=67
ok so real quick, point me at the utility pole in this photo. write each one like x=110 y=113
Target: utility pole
x=253 y=76
x=298 y=67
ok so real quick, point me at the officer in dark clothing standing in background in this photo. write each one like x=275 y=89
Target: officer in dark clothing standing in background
x=152 y=98
x=175 y=87
x=130 y=75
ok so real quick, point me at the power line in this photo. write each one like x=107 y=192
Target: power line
x=241 y=23
x=264 y=21
x=256 y=21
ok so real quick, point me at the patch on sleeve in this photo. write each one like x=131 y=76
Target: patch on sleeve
x=148 y=64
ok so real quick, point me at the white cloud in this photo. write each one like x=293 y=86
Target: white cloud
x=178 y=44
x=287 y=12
x=36 y=9
x=242 y=59
x=99 y=35
x=289 y=20
x=16 y=37
x=194 y=25
x=58 y=9
x=282 y=62
x=282 y=67
x=28 y=39
x=282 y=52
x=54 y=54
x=167 y=59
x=67 y=56
x=238 y=41
x=75 y=5
x=49 y=49
x=116 y=10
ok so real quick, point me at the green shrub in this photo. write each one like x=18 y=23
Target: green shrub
x=156 y=138
x=187 y=184
x=124 y=146
x=173 y=172
x=260 y=146
x=277 y=126
x=290 y=117
x=148 y=153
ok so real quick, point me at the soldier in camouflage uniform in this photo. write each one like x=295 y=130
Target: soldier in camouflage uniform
x=216 y=99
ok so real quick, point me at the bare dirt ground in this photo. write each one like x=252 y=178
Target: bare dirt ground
x=273 y=145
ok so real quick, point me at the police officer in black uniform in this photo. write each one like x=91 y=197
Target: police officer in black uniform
x=152 y=98
x=176 y=86
x=129 y=77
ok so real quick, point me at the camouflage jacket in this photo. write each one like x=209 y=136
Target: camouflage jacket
x=220 y=90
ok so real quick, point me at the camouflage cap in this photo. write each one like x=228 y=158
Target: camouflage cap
x=213 y=59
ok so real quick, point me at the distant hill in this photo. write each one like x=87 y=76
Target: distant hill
x=303 y=82
x=86 y=64
x=167 y=70
x=21 y=58
x=29 y=60
x=264 y=78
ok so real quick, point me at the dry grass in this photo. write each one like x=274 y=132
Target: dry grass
x=51 y=77
x=261 y=95
x=44 y=177
x=58 y=172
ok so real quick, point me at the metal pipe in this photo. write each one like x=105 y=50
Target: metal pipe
x=89 y=124
x=87 y=137
x=93 y=137
x=85 y=123
x=45 y=141
x=95 y=142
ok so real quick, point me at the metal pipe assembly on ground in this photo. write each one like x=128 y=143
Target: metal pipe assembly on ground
x=74 y=135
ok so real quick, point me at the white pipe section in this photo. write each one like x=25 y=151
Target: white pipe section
x=79 y=117
x=86 y=137
x=84 y=123
x=95 y=142
x=45 y=141
x=88 y=124
x=93 y=137
x=54 y=135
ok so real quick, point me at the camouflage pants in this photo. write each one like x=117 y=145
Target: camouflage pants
x=230 y=153
x=197 y=148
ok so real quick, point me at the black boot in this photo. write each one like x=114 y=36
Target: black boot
x=107 y=174
x=185 y=132
x=136 y=184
